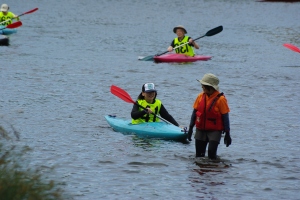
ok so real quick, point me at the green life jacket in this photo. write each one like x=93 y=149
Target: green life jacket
x=8 y=16
x=185 y=49
x=155 y=107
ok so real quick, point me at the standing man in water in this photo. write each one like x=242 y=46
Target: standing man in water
x=211 y=117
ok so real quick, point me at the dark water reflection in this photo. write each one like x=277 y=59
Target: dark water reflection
x=56 y=75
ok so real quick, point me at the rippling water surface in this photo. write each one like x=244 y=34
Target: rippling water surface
x=56 y=75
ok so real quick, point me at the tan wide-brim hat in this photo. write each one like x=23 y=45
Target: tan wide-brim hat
x=181 y=27
x=210 y=80
x=4 y=8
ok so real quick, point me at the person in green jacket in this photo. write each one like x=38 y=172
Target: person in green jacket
x=147 y=99
x=6 y=16
x=181 y=39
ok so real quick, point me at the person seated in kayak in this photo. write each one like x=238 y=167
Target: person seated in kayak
x=6 y=16
x=147 y=99
x=181 y=38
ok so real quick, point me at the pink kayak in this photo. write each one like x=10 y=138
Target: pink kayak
x=180 y=58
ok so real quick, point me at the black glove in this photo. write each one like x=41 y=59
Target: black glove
x=190 y=132
x=227 y=139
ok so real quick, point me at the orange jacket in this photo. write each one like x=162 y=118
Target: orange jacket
x=210 y=110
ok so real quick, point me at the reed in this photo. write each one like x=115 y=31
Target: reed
x=19 y=182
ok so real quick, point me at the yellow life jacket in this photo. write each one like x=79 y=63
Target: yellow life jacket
x=155 y=107
x=185 y=49
x=8 y=16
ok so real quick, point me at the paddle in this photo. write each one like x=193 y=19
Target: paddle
x=28 y=12
x=122 y=94
x=211 y=32
x=13 y=25
x=292 y=47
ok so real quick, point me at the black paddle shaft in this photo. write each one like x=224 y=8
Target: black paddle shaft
x=211 y=32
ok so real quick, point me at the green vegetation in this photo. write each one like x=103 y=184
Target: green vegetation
x=18 y=182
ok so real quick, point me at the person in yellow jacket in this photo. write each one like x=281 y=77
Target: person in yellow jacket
x=147 y=99
x=6 y=16
x=181 y=38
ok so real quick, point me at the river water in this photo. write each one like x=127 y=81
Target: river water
x=55 y=91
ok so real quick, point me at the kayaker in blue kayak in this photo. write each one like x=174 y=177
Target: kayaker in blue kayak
x=6 y=16
x=211 y=117
x=181 y=38
x=147 y=99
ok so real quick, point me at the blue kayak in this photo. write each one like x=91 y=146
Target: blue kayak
x=159 y=130
x=7 y=31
